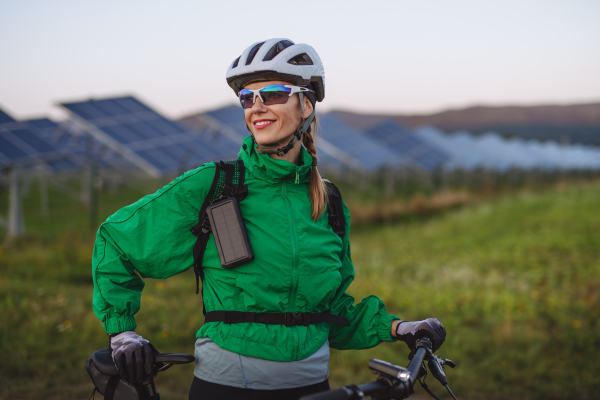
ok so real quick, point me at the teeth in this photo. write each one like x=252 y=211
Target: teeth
x=262 y=122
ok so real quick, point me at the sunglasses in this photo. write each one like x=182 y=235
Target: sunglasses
x=270 y=94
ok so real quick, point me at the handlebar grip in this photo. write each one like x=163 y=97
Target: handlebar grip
x=337 y=394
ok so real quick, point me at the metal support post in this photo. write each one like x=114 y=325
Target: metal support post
x=16 y=224
x=43 y=194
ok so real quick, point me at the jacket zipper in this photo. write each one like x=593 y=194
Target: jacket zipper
x=295 y=265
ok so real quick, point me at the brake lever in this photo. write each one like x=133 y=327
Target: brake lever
x=436 y=366
x=448 y=362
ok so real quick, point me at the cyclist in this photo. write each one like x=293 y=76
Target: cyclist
x=300 y=264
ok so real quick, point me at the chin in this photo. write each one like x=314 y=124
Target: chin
x=266 y=139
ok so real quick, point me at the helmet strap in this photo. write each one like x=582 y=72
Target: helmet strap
x=296 y=136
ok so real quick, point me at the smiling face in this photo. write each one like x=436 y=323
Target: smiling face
x=273 y=125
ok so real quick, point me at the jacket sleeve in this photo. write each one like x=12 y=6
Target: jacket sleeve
x=370 y=324
x=149 y=238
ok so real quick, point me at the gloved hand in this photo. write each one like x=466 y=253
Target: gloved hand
x=133 y=355
x=409 y=332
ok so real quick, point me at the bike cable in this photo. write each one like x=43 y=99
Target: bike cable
x=450 y=391
x=424 y=385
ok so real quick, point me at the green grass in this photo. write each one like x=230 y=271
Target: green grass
x=516 y=282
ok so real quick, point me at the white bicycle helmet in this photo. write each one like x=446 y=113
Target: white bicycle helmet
x=278 y=59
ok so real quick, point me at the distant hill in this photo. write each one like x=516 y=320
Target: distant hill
x=578 y=123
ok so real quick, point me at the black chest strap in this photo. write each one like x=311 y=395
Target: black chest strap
x=287 y=319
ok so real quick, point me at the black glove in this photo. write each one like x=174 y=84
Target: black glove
x=133 y=355
x=409 y=332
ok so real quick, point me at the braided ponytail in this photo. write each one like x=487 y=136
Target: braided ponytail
x=317 y=192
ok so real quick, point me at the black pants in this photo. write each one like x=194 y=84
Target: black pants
x=202 y=390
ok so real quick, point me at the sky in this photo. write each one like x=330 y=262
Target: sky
x=380 y=56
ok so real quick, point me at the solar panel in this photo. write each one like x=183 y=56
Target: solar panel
x=23 y=144
x=51 y=133
x=10 y=150
x=368 y=153
x=403 y=141
x=4 y=117
x=232 y=116
x=463 y=151
x=145 y=138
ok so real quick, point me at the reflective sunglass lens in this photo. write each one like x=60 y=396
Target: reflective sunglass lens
x=275 y=94
x=246 y=100
x=275 y=97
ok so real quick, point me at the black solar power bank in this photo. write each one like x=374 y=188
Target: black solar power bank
x=230 y=233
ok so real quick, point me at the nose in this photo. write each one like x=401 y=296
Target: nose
x=258 y=106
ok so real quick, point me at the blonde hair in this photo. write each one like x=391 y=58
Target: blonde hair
x=317 y=192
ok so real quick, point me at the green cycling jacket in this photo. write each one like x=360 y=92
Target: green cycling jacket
x=299 y=265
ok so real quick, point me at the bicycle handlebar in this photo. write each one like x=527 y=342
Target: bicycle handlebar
x=395 y=381
x=174 y=358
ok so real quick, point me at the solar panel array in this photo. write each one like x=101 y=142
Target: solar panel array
x=492 y=151
x=230 y=120
x=421 y=153
x=338 y=144
x=125 y=134
x=145 y=138
x=425 y=148
x=368 y=153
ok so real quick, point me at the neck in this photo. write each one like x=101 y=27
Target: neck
x=292 y=156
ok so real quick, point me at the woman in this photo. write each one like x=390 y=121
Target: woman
x=300 y=264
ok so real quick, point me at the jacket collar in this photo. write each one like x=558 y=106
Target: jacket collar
x=265 y=168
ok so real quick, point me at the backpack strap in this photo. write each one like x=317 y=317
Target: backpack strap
x=228 y=182
x=335 y=208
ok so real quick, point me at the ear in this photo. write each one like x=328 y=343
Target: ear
x=308 y=107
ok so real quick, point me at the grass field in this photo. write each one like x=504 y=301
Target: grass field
x=515 y=280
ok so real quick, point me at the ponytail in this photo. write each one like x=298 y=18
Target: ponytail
x=317 y=192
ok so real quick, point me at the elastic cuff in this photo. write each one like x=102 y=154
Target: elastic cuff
x=384 y=327
x=119 y=324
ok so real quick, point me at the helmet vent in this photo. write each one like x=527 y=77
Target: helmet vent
x=277 y=48
x=236 y=62
x=253 y=52
x=301 y=59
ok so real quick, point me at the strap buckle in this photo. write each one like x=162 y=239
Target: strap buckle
x=292 y=319
x=206 y=225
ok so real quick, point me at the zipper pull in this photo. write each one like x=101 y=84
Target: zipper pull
x=297 y=176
